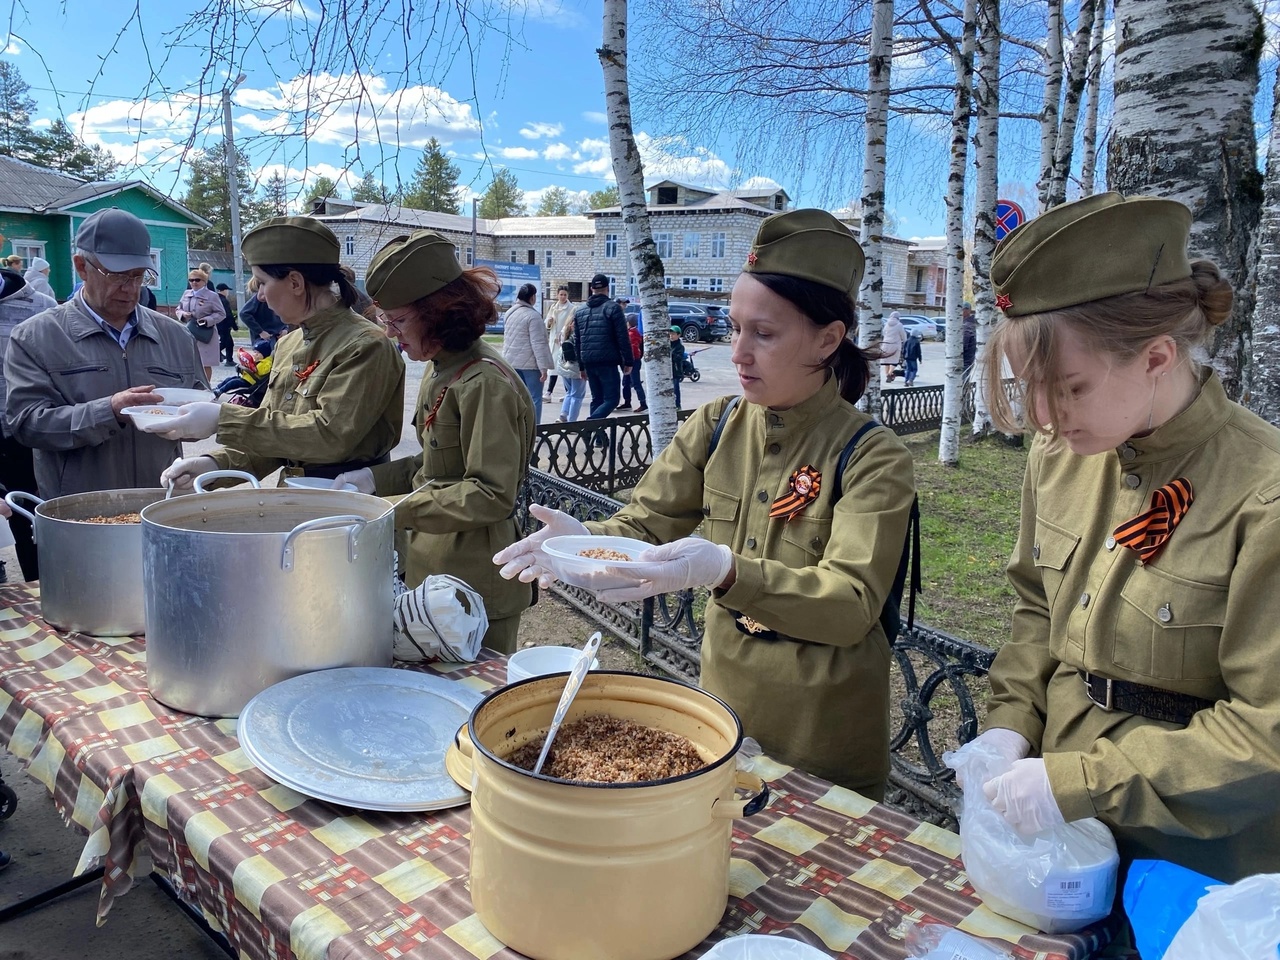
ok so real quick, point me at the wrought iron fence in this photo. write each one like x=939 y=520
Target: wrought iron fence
x=937 y=678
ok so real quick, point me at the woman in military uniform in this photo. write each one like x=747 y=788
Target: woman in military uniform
x=799 y=561
x=474 y=418
x=336 y=397
x=1141 y=683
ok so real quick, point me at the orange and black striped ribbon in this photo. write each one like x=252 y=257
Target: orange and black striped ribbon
x=802 y=490
x=1147 y=533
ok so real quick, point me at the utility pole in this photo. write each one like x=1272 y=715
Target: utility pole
x=474 y=254
x=233 y=191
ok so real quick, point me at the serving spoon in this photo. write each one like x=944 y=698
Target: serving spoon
x=576 y=676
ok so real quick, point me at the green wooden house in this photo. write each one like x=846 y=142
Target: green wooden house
x=41 y=210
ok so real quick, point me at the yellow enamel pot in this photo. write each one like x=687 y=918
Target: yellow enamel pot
x=570 y=871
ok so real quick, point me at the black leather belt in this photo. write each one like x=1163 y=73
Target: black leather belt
x=1144 y=701
x=330 y=471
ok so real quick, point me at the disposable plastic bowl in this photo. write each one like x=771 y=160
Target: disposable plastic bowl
x=152 y=418
x=564 y=558
x=183 y=394
x=540 y=661
x=754 y=946
x=316 y=483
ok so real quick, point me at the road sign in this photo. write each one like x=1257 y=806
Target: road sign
x=1009 y=217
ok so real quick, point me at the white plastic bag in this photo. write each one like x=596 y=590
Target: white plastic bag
x=1239 y=922
x=1056 y=881
x=936 y=941
x=440 y=619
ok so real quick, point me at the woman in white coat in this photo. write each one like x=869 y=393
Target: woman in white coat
x=559 y=314
x=894 y=336
x=524 y=345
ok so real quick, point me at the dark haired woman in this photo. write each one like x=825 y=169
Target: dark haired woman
x=524 y=345
x=1140 y=684
x=798 y=574
x=474 y=418
x=336 y=398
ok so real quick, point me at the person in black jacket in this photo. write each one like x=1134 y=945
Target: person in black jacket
x=604 y=349
x=226 y=346
x=258 y=317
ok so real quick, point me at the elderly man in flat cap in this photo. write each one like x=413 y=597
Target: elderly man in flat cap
x=72 y=369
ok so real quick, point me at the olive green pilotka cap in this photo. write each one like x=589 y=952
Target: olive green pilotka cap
x=410 y=268
x=1096 y=247
x=289 y=240
x=809 y=244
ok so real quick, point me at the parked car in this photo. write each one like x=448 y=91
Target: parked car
x=705 y=323
x=922 y=327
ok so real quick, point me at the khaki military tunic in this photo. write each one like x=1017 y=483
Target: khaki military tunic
x=817 y=695
x=462 y=489
x=1203 y=618
x=336 y=396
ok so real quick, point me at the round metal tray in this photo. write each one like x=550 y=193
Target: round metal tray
x=373 y=738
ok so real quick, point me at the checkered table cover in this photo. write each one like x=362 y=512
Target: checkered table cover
x=288 y=877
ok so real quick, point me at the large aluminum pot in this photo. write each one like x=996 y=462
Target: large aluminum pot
x=568 y=871
x=90 y=573
x=249 y=587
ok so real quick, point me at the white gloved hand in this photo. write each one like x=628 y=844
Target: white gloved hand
x=197 y=421
x=1007 y=743
x=361 y=479
x=1024 y=798
x=679 y=565
x=182 y=472
x=526 y=559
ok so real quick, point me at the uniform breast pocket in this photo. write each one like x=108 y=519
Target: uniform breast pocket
x=442 y=450
x=720 y=513
x=1051 y=553
x=1169 y=627
x=804 y=540
x=163 y=376
x=85 y=381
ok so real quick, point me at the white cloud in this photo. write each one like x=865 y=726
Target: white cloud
x=664 y=157
x=595 y=116
x=518 y=153
x=927 y=241
x=557 y=151
x=11 y=49
x=760 y=183
x=577 y=198
x=542 y=131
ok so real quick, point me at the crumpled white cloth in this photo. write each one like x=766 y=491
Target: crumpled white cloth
x=440 y=619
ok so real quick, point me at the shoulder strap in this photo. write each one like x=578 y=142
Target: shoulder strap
x=724 y=418
x=846 y=453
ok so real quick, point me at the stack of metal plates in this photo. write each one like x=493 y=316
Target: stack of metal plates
x=373 y=738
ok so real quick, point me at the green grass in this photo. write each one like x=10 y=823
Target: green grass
x=968 y=523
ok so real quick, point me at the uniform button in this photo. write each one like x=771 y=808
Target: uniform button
x=706 y=511
x=775 y=448
x=816 y=542
x=1164 y=614
x=1132 y=481
x=288 y=396
x=433 y=442
x=1128 y=454
x=751 y=543
x=1111 y=543
x=1084 y=600
x=1035 y=552
x=762 y=496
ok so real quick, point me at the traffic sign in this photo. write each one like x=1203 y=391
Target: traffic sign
x=1009 y=217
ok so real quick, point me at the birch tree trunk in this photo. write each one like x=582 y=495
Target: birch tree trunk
x=986 y=145
x=961 y=115
x=873 y=188
x=1264 y=357
x=1052 y=101
x=1185 y=77
x=1071 y=103
x=628 y=170
x=1093 y=90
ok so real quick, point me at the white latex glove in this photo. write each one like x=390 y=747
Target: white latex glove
x=1023 y=797
x=1007 y=743
x=361 y=479
x=182 y=472
x=679 y=565
x=196 y=422
x=525 y=558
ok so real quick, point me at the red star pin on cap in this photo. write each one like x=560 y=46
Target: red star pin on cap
x=1003 y=301
x=752 y=258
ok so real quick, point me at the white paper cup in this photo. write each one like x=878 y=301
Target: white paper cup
x=540 y=661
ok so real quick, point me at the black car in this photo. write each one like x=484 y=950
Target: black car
x=705 y=323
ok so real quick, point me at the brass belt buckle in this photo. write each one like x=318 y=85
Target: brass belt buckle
x=1108 y=704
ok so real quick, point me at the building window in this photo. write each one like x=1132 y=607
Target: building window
x=613 y=288
x=888 y=269
x=716 y=285
x=663 y=242
x=610 y=246
x=571 y=253
x=515 y=257
x=666 y=281
x=668 y=195
x=717 y=245
x=546 y=290
x=919 y=279
x=691 y=243
x=470 y=255
x=157 y=256
x=350 y=244
x=28 y=250
x=777 y=201
x=633 y=286
x=457 y=252
x=531 y=257
x=546 y=258
x=688 y=283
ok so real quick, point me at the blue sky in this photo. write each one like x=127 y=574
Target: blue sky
x=528 y=95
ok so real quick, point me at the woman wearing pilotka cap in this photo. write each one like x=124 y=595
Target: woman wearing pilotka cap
x=798 y=572
x=1142 y=678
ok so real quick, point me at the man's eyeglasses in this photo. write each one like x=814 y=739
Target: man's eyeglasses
x=134 y=278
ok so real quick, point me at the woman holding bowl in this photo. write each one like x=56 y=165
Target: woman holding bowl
x=798 y=574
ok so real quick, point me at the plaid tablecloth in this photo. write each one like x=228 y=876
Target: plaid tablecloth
x=287 y=877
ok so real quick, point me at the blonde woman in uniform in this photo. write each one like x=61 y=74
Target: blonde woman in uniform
x=798 y=577
x=1141 y=683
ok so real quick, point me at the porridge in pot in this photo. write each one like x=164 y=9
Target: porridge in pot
x=606 y=749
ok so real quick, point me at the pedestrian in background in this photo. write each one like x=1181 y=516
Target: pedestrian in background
x=262 y=322
x=912 y=354
x=575 y=385
x=558 y=316
x=226 y=346
x=969 y=348
x=891 y=345
x=677 y=361
x=633 y=380
x=203 y=307
x=603 y=348
x=37 y=277
x=524 y=345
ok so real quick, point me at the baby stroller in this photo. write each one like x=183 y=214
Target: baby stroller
x=248 y=385
x=687 y=370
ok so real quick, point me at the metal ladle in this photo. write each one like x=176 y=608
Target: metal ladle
x=576 y=676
